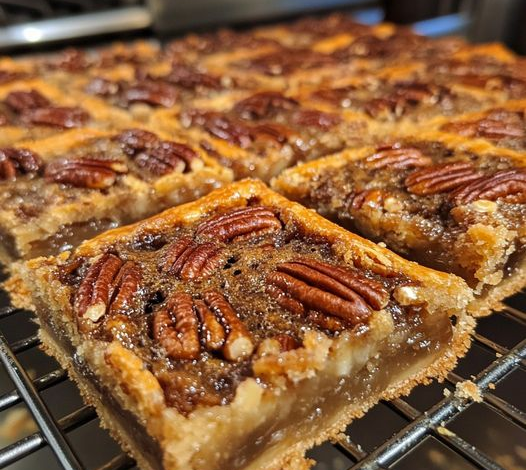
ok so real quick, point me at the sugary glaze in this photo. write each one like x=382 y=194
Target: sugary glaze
x=450 y=207
x=241 y=296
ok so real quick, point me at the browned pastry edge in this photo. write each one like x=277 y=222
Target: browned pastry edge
x=295 y=458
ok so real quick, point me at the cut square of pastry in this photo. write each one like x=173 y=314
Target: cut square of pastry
x=487 y=67
x=58 y=191
x=31 y=108
x=396 y=96
x=442 y=201
x=503 y=126
x=317 y=50
x=259 y=134
x=239 y=330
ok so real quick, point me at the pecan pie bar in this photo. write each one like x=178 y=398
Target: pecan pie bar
x=262 y=133
x=31 y=108
x=503 y=126
x=58 y=191
x=398 y=98
x=446 y=203
x=241 y=329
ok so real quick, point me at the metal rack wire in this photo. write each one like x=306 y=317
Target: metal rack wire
x=347 y=452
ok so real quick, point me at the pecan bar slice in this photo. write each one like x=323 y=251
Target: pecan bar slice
x=239 y=330
x=262 y=133
x=34 y=108
x=503 y=126
x=443 y=202
x=58 y=191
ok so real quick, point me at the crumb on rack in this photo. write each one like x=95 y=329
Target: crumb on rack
x=16 y=424
x=468 y=390
x=445 y=431
x=446 y=392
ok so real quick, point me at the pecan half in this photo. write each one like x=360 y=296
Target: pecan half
x=315 y=118
x=189 y=77
x=159 y=157
x=155 y=93
x=329 y=289
x=176 y=327
x=189 y=260
x=218 y=125
x=368 y=197
x=93 y=173
x=18 y=161
x=239 y=344
x=271 y=131
x=108 y=286
x=441 y=178
x=70 y=60
x=20 y=101
x=213 y=334
x=287 y=60
x=264 y=104
x=508 y=185
x=7 y=76
x=499 y=124
x=240 y=224
x=397 y=157
x=56 y=116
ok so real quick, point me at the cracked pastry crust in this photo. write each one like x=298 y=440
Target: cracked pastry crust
x=241 y=329
x=447 y=202
x=60 y=190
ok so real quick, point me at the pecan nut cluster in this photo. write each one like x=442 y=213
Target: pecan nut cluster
x=159 y=157
x=34 y=108
x=18 y=161
x=184 y=326
x=319 y=289
x=92 y=173
x=111 y=286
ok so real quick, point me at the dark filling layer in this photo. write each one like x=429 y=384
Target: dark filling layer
x=69 y=236
x=143 y=443
x=242 y=276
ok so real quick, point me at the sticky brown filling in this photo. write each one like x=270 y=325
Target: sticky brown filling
x=69 y=236
x=268 y=278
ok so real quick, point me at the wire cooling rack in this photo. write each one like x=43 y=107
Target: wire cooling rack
x=433 y=428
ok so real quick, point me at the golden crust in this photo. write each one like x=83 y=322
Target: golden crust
x=319 y=361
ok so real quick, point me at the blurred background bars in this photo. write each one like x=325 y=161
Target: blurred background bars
x=26 y=23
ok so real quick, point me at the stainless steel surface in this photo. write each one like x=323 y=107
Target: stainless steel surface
x=170 y=16
x=76 y=26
